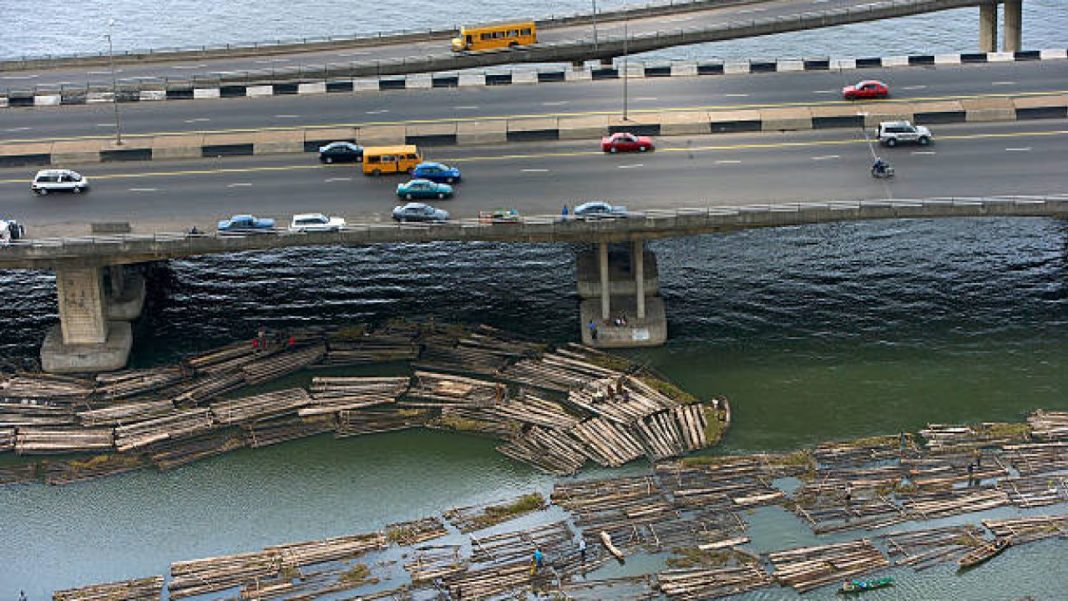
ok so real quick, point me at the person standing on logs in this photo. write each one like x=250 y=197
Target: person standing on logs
x=978 y=458
x=22 y=595
x=582 y=550
x=593 y=330
x=537 y=561
x=971 y=479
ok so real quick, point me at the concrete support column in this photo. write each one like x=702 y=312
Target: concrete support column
x=82 y=310
x=117 y=278
x=1013 y=25
x=988 y=27
x=638 y=262
x=606 y=292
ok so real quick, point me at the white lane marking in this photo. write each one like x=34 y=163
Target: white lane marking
x=63 y=83
x=105 y=125
x=273 y=60
x=19 y=77
x=825 y=91
x=197 y=120
x=354 y=53
x=555 y=103
x=825 y=157
x=1021 y=149
x=534 y=170
x=924 y=152
x=1003 y=83
x=287 y=116
x=635 y=166
x=17 y=129
x=183 y=67
x=727 y=162
x=144 y=189
x=240 y=185
x=736 y=95
x=378 y=112
x=339 y=179
x=646 y=98
x=467 y=107
x=102 y=72
x=913 y=87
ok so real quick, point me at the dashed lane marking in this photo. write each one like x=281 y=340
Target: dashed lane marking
x=240 y=185
x=635 y=166
x=1019 y=149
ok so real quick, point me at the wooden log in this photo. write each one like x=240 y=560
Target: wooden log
x=606 y=540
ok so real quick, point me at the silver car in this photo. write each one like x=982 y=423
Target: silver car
x=891 y=133
x=417 y=211
x=59 y=180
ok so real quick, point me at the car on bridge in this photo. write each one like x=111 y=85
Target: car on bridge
x=892 y=133
x=600 y=210
x=423 y=188
x=246 y=224
x=59 y=180
x=417 y=211
x=341 y=152
x=436 y=172
x=315 y=222
x=500 y=215
x=626 y=142
x=868 y=88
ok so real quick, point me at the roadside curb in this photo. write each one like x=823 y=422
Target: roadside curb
x=154 y=92
x=500 y=131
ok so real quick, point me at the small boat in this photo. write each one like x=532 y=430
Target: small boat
x=983 y=553
x=858 y=586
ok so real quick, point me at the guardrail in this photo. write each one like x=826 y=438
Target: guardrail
x=653 y=223
x=558 y=52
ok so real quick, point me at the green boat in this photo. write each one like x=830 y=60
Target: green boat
x=859 y=586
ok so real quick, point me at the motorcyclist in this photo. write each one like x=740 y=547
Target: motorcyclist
x=879 y=167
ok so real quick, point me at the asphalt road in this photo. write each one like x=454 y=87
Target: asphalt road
x=966 y=160
x=703 y=92
x=23 y=80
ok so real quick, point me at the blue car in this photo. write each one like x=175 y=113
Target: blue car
x=599 y=210
x=423 y=188
x=246 y=223
x=436 y=172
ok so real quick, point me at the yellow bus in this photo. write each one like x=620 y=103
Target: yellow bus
x=390 y=159
x=488 y=37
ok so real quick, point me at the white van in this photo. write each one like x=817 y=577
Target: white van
x=59 y=180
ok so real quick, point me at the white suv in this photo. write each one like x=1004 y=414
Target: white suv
x=890 y=133
x=59 y=180
x=315 y=222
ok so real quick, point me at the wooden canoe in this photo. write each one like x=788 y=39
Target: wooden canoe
x=983 y=553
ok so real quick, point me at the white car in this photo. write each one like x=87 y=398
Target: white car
x=892 y=133
x=59 y=180
x=315 y=222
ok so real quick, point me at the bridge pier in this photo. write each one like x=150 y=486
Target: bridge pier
x=1013 y=25
x=93 y=333
x=622 y=281
x=988 y=27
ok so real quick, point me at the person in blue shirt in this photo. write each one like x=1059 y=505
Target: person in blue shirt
x=539 y=559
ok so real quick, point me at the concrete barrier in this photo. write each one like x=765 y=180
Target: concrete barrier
x=177 y=147
x=257 y=91
x=317 y=87
x=581 y=74
x=685 y=123
x=885 y=111
x=684 y=70
x=1000 y=57
x=989 y=109
x=791 y=65
x=1053 y=54
x=785 y=119
x=419 y=81
x=734 y=121
x=48 y=100
x=734 y=67
x=947 y=59
x=431 y=134
x=76 y=151
x=583 y=128
x=381 y=135
x=524 y=77
x=534 y=129
x=278 y=142
x=472 y=79
x=206 y=93
x=481 y=132
x=153 y=95
x=99 y=97
x=895 y=61
x=365 y=85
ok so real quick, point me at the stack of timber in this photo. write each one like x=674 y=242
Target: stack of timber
x=729 y=482
x=492 y=581
x=694 y=584
x=333 y=394
x=808 y=568
x=923 y=549
x=501 y=342
x=618 y=506
x=46 y=388
x=836 y=501
x=125 y=413
x=369 y=349
x=1029 y=529
x=378 y=419
x=203 y=389
x=623 y=399
x=416 y=531
x=704 y=531
x=939 y=504
x=861 y=451
x=280 y=364
x=533 y=410
x=7 y=439
x=129 y=383
x=437 y=389
x=607 y=443
x=474 y=420
x=431 y=563
x=1038 y=458
x=560 y=371
x=138 y=589
x=553 y=451
x=87 y=468
x=42 y=440
x=259 y=406
x=477 y=517
x=554 y=539
x=673 y=432
x=462 y=359
x=1037 y=490
x=942 y=438
x=266 y=432
x=178 y=424
x=213 y=574
x=1049 y=425
x=171 y=454
x=35 y=413
x=626 y=588
x=943 y=470
x=226 y=358
x=298 y=555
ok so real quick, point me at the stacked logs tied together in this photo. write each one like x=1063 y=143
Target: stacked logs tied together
x=807 y=568
x=138 y=589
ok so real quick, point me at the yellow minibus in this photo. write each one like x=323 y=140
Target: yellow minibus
x=390 y=159
x=488 y=37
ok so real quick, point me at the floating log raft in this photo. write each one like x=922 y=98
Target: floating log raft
x=205 y=361
x=1037 y=490
x=169 y=455
x=939 y=504
x=554 y=539
x=1038 y=458
x=280 y=364
x=695 y=584
x=42 y=440
x=550 y=450
x=949 y=438
x=138 y=589
x=213 y=574
x=204 y=389
x=35 y=413
x=416 y=531
x=377 y=348
x=461 y=359
x=1049 y=425
x=282 y=429
x=260 y=406
x=534 y=410
x=435 y=389
x=44 y=387
x=492 y=581
x=477 y=517
x=333 y=394
x=180 y=423
x=623 y=400
x=431 y=563
x=1029 y=529
x=125 y=384
x=97 y=466
x=807 y=568
x=125 y=413
x=7 y=439
x=923 y=549
x=864 y=450
x=376 y=420
x=607 y=443
x=297 y=555
x=17 y=473
x=475 y=420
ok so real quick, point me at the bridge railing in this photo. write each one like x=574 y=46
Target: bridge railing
x=562 y=223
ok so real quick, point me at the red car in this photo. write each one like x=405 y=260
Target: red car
x=868 y=88
x=624 y=142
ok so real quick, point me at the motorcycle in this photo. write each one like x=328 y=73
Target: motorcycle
x=882 y=170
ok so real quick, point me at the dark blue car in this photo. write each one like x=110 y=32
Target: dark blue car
x=436 y=172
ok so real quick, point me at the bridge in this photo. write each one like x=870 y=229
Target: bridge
x=565 y=40
x=94 y=332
